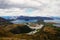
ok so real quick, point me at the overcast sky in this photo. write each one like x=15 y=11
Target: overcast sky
x=30 y=7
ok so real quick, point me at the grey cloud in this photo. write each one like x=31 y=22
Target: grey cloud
x=4 y=4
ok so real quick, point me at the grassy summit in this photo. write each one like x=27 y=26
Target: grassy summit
x=46 y=33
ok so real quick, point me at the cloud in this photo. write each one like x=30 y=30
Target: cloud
x=39 y=7
x=20 y=4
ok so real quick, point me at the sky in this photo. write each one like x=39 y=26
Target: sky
x=30 y=8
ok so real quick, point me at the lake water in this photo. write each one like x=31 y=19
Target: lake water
x=54 y=21
x=22 y=21
x=57 y=25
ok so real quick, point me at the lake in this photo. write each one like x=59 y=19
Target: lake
x=22 y=21
x=57 y=25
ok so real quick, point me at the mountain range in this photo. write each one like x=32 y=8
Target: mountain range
x=4 y=21
x=34 y=18
x=25 y=18
x=22 y=19
x=28 y=18
x=56 y=18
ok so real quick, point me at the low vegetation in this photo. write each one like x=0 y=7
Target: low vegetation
x=48 y=32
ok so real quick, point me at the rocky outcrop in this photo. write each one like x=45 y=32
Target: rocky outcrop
x=21 y=29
